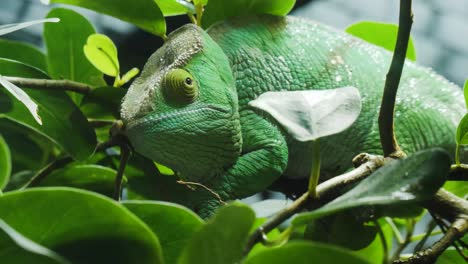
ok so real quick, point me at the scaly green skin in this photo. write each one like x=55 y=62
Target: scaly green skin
x=238 y=151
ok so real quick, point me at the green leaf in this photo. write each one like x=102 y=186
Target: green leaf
x=102 y=53
x=5 y=29
x=5 y=163
x=17 y=248
x=23 y=52
x=459 y=188
x=173 y=224
x=129 y=75
x=337 y=229
x=142 y=13
x=462 y=131
x=380 y=34
x=451 y=256
x=81 y=226
x=89 y=177
x=22 y=97
x=65 y=41
x=309 y=115
x=304 y=253
x=63 y=123
x=164 y=170
x=103 y=103
x=146 y=183
x=29 y=151
x=375 y=251
x=175 y=7
x=222 y=238
x=465 y=93
x=402 y=182
x=217 y=10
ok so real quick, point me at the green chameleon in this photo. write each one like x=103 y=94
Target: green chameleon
x=189 y=108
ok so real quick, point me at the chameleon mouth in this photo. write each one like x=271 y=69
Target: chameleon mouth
x=152 y=118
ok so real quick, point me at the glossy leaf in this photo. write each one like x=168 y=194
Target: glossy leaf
x=142 y=13
x=451 y=256
x=338 y=229
x=222 y=238
x=465 y=93
x=65 y=41
x=173 y=224
x=380 y=34
x=102 y=53
x=23 y=52
x=217 y=10
x=309 y=115
x=63 y=123
x=89 y=177
x=401 y=182
x=5 y=29
x=459 y=188
x=81 y=226
x=29 y=151
x=175 y=7
x=5 y=163
x=103 y=103
x=304 y=253
x=130 y=75
x=22 y=97
x=375 y=251
x=462 y=131
x=163 y=169
x=17 y=248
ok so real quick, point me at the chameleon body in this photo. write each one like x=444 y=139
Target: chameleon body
x=212 y=136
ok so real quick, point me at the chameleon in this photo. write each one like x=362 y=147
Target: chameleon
x=189 y=109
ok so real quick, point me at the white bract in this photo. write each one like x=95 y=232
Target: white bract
x=312 y=114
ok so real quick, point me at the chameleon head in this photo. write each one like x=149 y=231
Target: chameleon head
x=182 y=111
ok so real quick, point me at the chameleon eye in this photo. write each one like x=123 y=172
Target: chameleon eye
x=178 y=86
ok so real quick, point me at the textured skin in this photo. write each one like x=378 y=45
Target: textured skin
x=239 y=151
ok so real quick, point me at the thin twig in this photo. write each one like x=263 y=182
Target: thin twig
x=45 y=84
x=409 y=233
x=124 y=156
x=325 y=192
x=44 y=172
x=215 y=194
x=458 y=228
x=386 y=124
x=58 y=164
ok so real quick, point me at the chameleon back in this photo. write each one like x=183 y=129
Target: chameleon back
x=285 y=53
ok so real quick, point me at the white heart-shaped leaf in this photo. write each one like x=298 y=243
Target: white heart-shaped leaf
x=5 y=29
x=312 y=114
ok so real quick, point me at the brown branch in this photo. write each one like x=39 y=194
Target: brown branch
x=456 y=231
x=45 y=84
x=325 y=192
x=386 y=124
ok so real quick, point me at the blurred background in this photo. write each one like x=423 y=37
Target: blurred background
x=440 y=28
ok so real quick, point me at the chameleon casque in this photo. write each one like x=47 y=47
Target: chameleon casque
x=189 y=108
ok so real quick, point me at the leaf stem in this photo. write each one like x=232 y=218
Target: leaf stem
x=315 y=171
x=383 y=241
x=386 y=118
x=124 y=156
